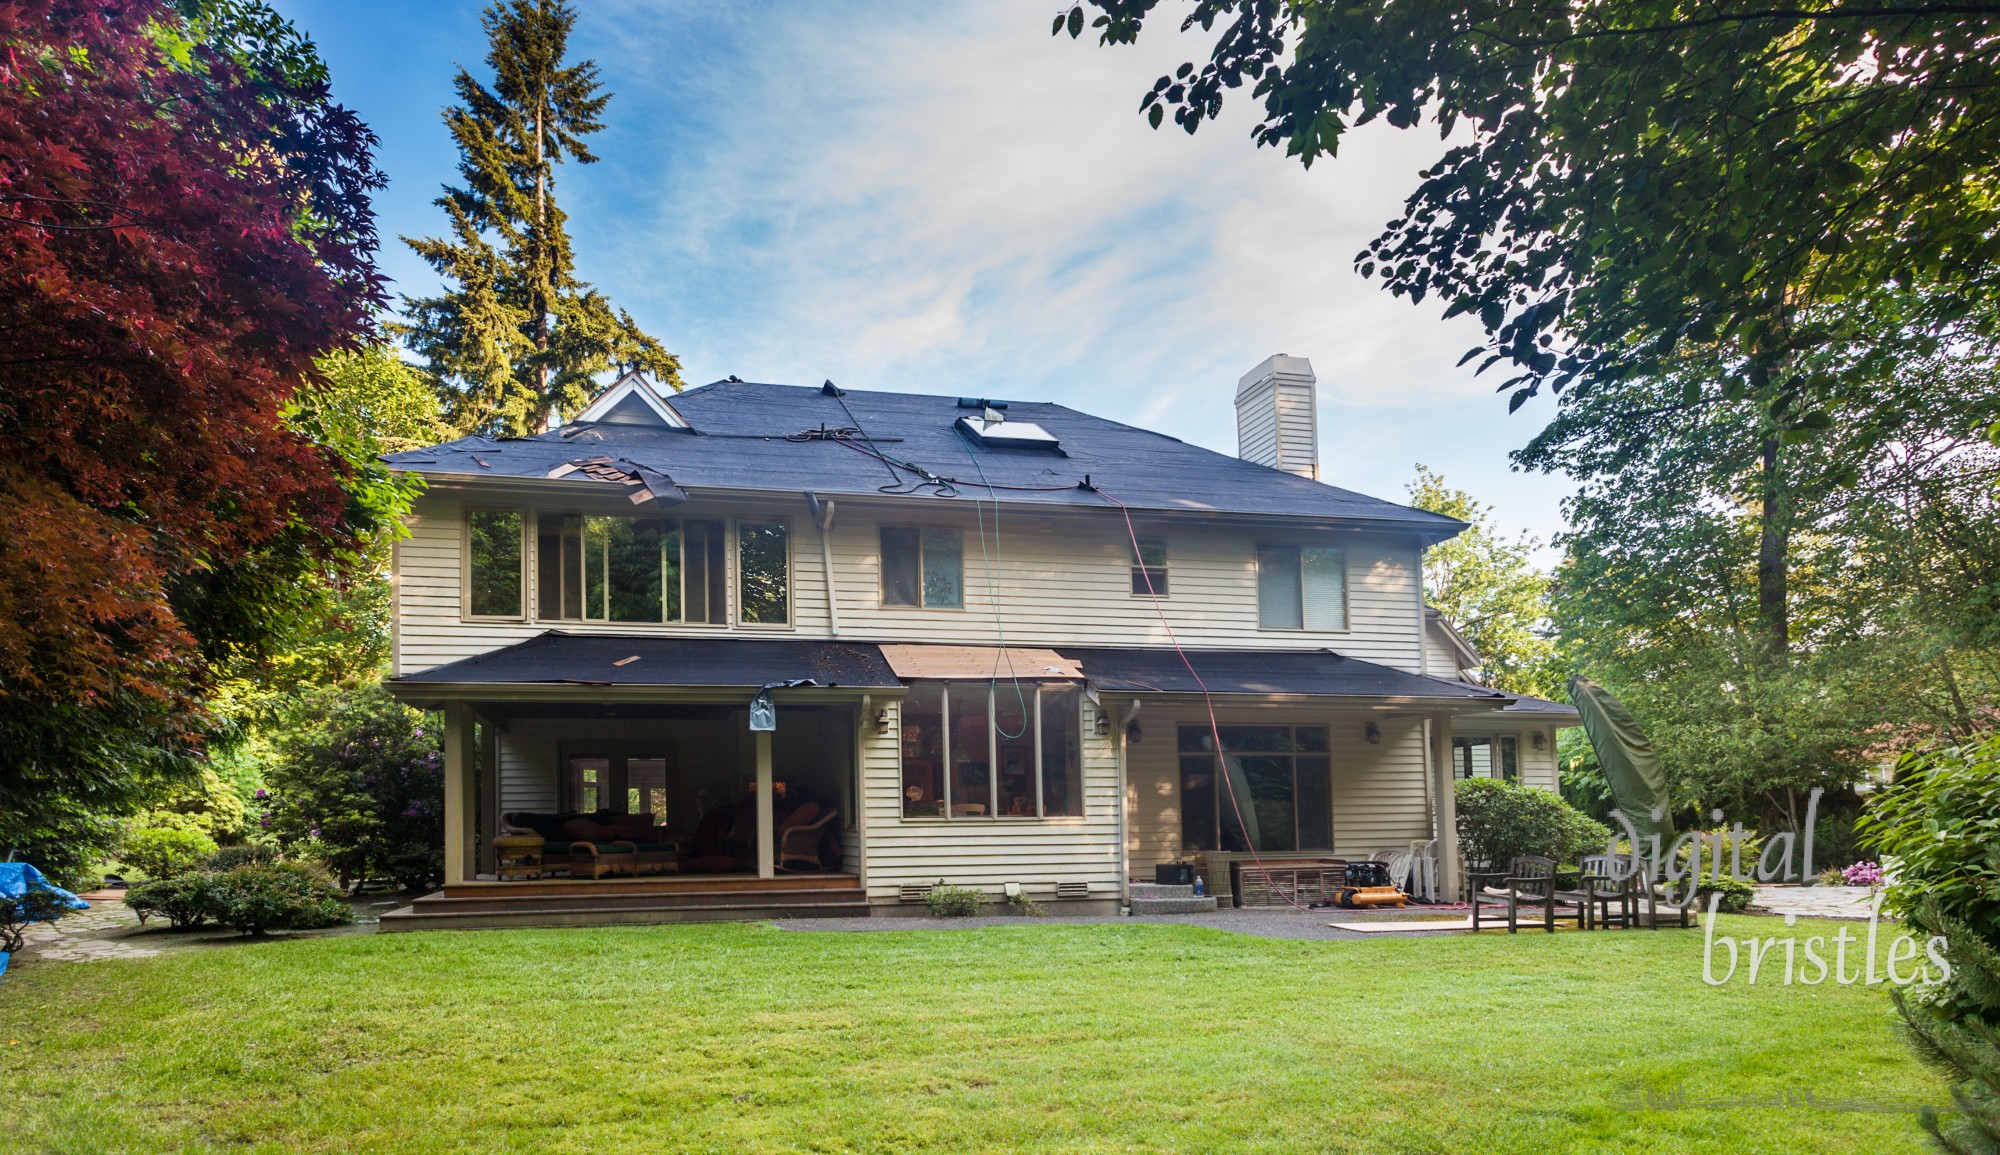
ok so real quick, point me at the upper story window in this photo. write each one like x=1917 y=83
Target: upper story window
x=985 y=749
x=763 y=574
x=923 y=567
x=1149 y=568
x=631 y=569
x=493 y=569
x=1301 y=588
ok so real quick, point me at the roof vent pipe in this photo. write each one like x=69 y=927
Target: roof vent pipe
x=1277 y=421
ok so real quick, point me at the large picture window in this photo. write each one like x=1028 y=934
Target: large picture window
x=1280 y=777
x=983 y=750
x=493 y=563
x=923 y=567
x=630 y=569
x=1301 y=588
x=763 y=574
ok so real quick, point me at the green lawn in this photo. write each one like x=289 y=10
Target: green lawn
x=1044 y=1037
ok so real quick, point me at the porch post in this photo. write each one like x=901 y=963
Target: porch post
x=1446 y=808
x=766 y=865
x=459 y=822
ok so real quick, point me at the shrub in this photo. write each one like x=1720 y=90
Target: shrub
x=1020 y=903
x=1935 y=823
x=363 y=791
x=954 y=901
x=231 y=857
x=1499 y=821
x=165 y=851
x=278 y=896
x=40 y=903
x=185 y=900
x=1832 y=876
x=1736 y=893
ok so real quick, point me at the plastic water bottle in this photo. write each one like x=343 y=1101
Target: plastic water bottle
x=1198 y=890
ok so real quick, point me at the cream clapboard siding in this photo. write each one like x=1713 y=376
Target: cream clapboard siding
x=989 y=853
x=1057 y=578
x=1440 y=659
x=1379 y=801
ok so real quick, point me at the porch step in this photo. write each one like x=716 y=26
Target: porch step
x=1183 y=905
x=451 y=902
x=1161 y=890
x=569 y=914
x=653 y=899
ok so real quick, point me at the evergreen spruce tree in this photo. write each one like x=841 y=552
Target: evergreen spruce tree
x=518 y=339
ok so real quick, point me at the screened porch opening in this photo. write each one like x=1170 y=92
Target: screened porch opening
x=670 y=790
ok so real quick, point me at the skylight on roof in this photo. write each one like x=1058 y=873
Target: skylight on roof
x=992 y=428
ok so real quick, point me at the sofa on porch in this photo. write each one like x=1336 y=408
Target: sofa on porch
x=597 y=843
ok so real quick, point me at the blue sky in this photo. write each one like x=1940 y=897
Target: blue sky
x=940 y=197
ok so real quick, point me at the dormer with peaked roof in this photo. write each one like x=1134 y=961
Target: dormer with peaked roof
x=633 y=399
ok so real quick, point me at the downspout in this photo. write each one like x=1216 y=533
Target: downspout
x=822 y=514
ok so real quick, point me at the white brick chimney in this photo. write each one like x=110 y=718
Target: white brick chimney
x=1277 y=420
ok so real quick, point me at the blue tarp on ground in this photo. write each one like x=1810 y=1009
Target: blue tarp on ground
x=18 y=878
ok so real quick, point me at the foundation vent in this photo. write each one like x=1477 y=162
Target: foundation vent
x=918 y=893
x=1072 y=890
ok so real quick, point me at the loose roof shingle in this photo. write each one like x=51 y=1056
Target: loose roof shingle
x=786 y=438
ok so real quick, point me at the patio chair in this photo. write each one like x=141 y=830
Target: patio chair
x=1674 y=900
x=1607 y=890
x=800 y=845
x=1530 y=882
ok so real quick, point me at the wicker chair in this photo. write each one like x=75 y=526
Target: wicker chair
x=800 y=844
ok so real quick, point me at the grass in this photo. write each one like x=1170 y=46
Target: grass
x=1045 y=1037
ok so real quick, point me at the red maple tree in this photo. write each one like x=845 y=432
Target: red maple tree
x=183 y=230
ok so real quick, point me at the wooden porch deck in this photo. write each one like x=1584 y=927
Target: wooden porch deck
x=614 y=901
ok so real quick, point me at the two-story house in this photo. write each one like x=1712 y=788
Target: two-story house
x=1005 y=645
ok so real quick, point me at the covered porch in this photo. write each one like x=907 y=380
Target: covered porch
x=617 y=779
x=1321 y=760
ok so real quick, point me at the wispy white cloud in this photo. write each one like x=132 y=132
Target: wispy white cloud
x=938 y=197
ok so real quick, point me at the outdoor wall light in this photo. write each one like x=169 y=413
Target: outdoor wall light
x=1103 y=723
x=882 y=719
x=1374 y=734
x=1132 y=733
x=1541 y=740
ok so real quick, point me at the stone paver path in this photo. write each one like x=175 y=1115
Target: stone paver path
x=1852 y=902
x=88 y=935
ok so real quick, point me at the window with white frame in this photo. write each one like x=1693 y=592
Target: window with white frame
x=923 y=567
x=1486 y=756
x=493 y=563
x=1301 y=588
x=631 y=569
x=1149 y=568
x=763 y=574
x=992 y=750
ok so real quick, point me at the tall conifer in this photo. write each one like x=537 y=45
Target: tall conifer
x=518 y=338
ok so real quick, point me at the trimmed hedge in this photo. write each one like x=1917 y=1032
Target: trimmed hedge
x=1500 y=821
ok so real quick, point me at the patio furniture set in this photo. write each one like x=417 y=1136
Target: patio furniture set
x=602 y=844
x=1607 y=891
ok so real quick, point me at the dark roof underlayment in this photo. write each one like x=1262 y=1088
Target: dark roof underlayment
x=789 y=439
x=1314 y=673
x=557 y=658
